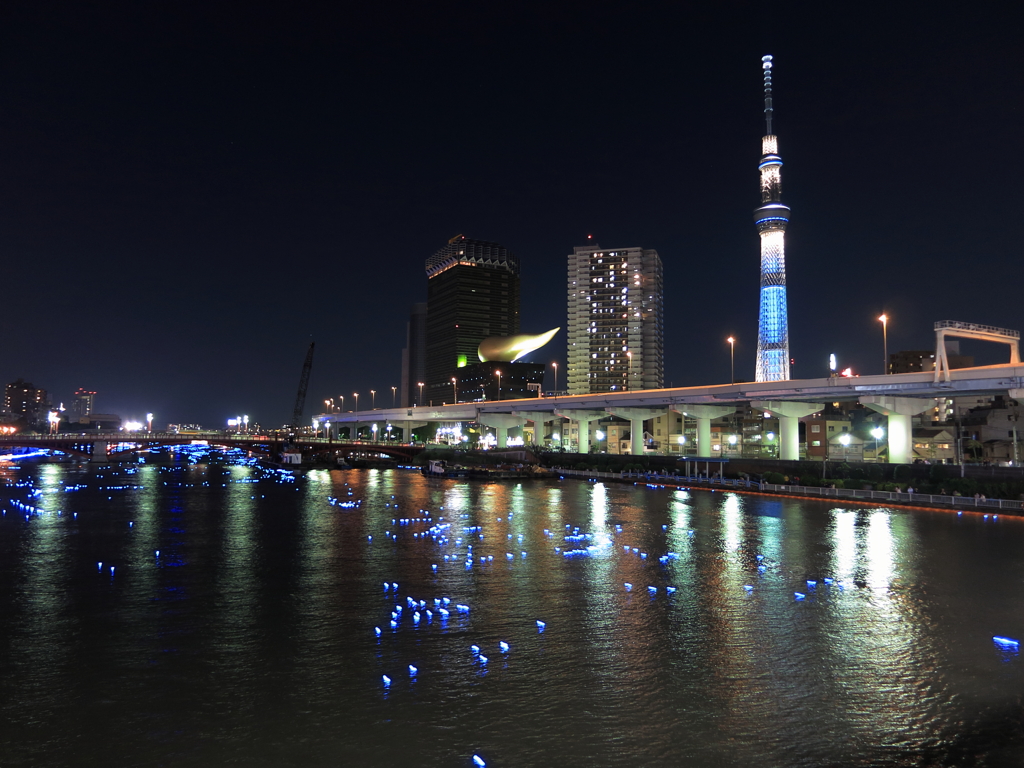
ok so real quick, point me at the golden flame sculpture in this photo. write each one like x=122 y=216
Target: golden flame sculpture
x=508 y=349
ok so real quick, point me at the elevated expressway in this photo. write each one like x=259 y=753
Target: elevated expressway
x=897 y=396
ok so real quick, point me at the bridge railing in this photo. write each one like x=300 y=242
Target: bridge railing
x=931 y=499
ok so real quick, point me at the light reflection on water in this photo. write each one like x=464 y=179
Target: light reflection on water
x=250 y=638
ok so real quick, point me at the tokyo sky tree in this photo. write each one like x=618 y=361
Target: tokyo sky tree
x=771 y=219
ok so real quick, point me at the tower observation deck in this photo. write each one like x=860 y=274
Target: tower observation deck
x=771 y=218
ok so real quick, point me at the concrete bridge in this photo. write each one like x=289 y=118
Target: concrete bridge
x=897 y=396
x=105 y=446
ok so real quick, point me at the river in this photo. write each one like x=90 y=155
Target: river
x=185 y=612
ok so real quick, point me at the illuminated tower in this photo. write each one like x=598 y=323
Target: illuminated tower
x=771 y=219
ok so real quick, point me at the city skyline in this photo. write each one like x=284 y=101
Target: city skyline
x=186 y=203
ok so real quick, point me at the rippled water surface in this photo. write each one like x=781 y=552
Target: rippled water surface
x=250 y=639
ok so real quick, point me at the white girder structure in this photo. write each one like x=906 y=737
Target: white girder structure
x=947 y=328
x=771 y=219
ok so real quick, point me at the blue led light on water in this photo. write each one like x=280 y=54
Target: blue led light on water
x=828 y=580
x=377 y=631
x=748 y=587
x=628 y=586
x=483 y=659
x=799 y=595
x=541 y=625
x=433 y=567
x=479 y=761
x=99 y=566
x=670 y=590
x=760 y=557
x=503 y=646
x=1006 y=642
x=653 y=590
x=811 y=583
x=386 y=680
x=475 y=648
x=412 y=670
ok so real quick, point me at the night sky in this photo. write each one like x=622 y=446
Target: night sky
x=191 y=193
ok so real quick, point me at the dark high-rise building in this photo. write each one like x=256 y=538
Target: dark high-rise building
x=82 y=404
x=414 y=356
x=21 y=398
x=472 y=293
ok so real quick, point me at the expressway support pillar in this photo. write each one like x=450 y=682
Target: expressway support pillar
x=704 y=414
x=583 y=419
x=99 y=453
x=899 y=410
x=637 y=417
x=407 y=427
x=502 y=423
x=789 y=415
x=538 y=418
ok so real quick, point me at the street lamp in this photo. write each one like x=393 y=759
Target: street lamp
x=149 y=422
x=394 y=391
x=455 y=391
x=877 y=433
x=844 y=440
x=885 y=341
x=389 y=429
x=356 y=396
x=421 y=394
x=599 y=434
x=555 y=366
x=732 y=360
x=373 y=429
x=498 y=374
x=342 y=402
x=373 y=399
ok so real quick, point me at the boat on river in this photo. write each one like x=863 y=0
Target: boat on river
x=439 y=468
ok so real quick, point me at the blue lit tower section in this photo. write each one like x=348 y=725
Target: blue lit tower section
x=771 y=219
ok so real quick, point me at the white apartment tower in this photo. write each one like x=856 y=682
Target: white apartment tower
x=616 y=341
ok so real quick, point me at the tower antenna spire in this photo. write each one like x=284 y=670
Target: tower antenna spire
x=766 y=66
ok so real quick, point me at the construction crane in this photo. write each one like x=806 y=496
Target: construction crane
x=300 y=398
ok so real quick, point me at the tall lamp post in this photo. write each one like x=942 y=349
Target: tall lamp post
x=455 y=391
x=394 y=392
x=555 y=366
x=420 y=385
x=877 y=433
x=885 y=341
x=356 y=396
x=732 y=360
x=373 y=399
x=342 y=402
x=498 y=374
